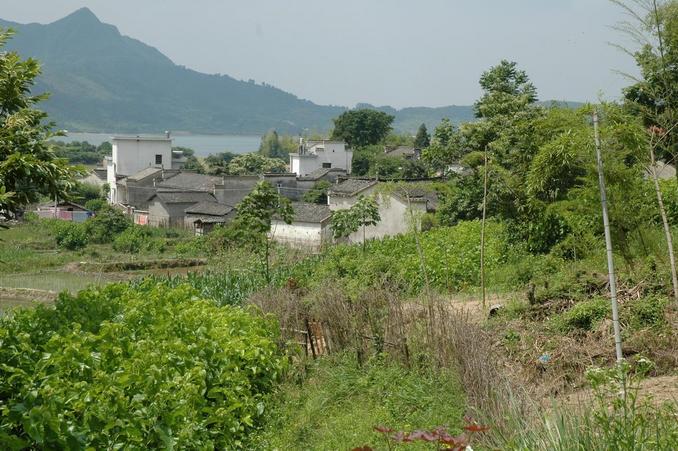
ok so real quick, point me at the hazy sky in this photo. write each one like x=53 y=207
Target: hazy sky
x=384 y=52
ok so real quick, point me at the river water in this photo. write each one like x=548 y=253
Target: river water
x=203 y=145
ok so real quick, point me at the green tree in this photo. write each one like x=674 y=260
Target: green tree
x=423 y=139
x=29 y=168
x=318 y=194
x=363 y=213
x=218 y=163
x=444 y=147
x=255 y=214
x=271 y=146
x=505 y=91
x=193 y=164
x=255 y=164
x=363 y=127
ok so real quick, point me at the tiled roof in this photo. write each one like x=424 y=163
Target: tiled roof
x=400 y=151
x=145 y=172
x=183 y=197
x=209 y=208
x=351 y=187
x=320 y=173
x=192 y=181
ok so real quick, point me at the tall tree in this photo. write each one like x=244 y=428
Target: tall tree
x=29 y=168
x=654 y=27
x=363 y=127
x=255 y=214
x=271 y=147
x=423 y=139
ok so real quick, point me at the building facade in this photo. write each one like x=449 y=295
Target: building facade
x=313 y=155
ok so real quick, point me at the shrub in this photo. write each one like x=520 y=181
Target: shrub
x=136 y=368
x=133 y=240
x=70 y=235
x=107 y=223
x=648 y=312
x=95 y=205
x=583 y=315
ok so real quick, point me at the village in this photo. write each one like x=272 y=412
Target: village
x=145 y=179
x=366 y=226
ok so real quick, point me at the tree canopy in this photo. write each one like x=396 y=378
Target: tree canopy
x=422 y=140
x=361 y=128
x=29 y=167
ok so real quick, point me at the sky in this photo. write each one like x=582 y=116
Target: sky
x=384 y=52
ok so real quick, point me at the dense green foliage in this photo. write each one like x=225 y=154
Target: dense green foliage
x=255 y=164
x=29 y=167
x=274 y=146
x=318 y=193
x=423 y=139
x=147 y=367
x=77 y=152
x=451 y=260
x=359 y=128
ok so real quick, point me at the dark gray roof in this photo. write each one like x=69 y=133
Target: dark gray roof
x=307 y=212
x=191 y=181
x=209 y=208
x=320 y=173
x=400 y=151
x=146 y=172
x=351 y=187
x=212 y=219
x=182 y=197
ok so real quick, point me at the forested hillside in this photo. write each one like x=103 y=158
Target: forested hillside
x=101 y=80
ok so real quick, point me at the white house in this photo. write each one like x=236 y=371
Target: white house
x=310 y=227
x=397 y=209
x=313 y=155
x=131 y=154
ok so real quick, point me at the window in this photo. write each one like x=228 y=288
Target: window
x=158 y=159
x=327 y=165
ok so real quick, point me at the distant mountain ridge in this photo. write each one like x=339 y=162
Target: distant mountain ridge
x=100 y=80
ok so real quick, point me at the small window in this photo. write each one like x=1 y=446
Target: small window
x=327 y=165
x=158 y=159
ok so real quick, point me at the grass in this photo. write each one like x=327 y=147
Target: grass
x=31 y=246
x=339 y=404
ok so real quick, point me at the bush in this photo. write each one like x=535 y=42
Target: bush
x=150 y=367
x=95 y=205
x=107 y=223
x=70 y=235
x=133 y=240
x=583 y=315
x=648 y=312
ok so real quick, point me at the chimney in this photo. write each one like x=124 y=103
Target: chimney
x=167 y=134
x=153 y=182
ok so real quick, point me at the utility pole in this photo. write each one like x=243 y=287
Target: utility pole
x=608 y=242
x=482 y=231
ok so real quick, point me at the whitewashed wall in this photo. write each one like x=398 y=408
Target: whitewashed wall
x=131 y=155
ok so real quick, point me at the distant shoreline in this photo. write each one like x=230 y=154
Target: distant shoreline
x=203 y=144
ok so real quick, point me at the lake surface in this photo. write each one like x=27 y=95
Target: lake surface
x=203 y=145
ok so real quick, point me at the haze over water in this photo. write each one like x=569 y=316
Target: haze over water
x=203 y=145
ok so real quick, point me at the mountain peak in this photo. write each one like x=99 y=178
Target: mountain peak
x=81 y=15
